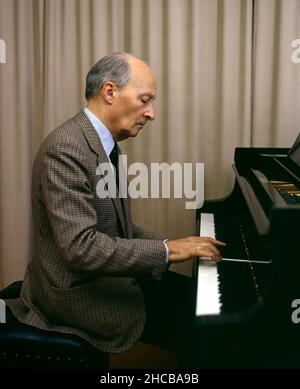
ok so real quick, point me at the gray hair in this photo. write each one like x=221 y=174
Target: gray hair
x=113 y=67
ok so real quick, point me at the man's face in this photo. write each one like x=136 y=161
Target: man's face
x=133 y=104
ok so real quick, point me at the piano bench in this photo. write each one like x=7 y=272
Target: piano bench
x=25 y=346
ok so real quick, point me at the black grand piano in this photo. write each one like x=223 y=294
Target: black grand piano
x=244 y=305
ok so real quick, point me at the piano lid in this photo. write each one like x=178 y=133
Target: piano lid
x=294 y=153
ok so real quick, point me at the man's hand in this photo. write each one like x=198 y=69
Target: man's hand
x=181 y=250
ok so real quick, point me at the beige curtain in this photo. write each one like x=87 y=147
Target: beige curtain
x=276 y=79
x=21 y=129
x=225 y=79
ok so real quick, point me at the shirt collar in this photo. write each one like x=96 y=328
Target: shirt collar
x=104 y=134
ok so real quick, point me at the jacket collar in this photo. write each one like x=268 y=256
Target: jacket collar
x=96 y=146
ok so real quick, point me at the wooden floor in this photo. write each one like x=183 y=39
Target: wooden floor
x=144 y=356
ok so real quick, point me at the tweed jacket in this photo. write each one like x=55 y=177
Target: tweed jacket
x=87 y=252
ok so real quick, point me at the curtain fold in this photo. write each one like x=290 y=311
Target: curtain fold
x=276 y=93
x=225 y=79
x=20 y=134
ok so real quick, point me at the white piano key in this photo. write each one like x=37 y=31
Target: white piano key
x=207 y=227
x=208 y=302
x=208 y=296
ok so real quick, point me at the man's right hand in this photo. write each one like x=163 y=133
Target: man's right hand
x=181 y=250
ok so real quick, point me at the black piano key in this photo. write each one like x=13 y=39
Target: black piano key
x=227 y=230
x=229 y=227
x=238 y=287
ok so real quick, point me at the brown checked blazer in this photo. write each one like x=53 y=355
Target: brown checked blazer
x=87 y=252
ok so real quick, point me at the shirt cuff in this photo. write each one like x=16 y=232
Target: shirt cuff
x=167 y=252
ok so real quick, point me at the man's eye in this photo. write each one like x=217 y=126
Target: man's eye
x=145 y=101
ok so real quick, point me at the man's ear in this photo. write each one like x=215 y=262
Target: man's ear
x=108 y=92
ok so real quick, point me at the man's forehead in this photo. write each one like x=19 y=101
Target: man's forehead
x=140 y=69
x=141 y=78
x=145 y=83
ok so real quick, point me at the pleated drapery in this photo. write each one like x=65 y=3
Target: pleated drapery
x=225 y=79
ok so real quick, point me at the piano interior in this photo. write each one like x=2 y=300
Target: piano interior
x=251 y=323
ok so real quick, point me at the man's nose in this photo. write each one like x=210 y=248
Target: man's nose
x=150 y=113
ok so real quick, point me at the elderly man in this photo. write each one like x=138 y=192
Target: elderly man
x=93 y=272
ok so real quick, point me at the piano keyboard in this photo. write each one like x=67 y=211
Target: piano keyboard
x=231 y=285
x=208 y=296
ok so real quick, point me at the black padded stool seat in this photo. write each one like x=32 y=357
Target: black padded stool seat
x=22 y=345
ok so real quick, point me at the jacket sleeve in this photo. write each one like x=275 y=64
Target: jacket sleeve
x=69 y=199
x=140 y=233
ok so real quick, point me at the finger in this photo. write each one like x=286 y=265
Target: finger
x=219 y=242
x=216 y=242
x=207 y=248
x=210 y=257
x=213 y=248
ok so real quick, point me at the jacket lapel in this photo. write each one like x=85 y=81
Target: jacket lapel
x=96 y=146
